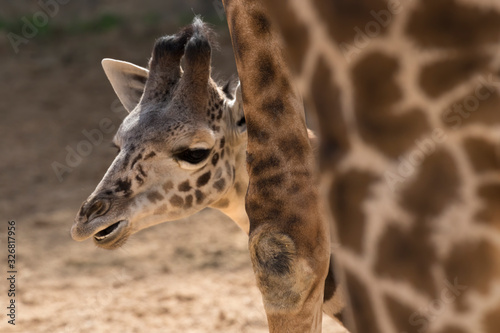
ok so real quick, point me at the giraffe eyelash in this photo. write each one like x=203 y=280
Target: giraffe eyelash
x=193 y=156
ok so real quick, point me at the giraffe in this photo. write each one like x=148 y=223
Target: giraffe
x=406 y=97
x=182 y=148
x=289 y=241
x=178 y=148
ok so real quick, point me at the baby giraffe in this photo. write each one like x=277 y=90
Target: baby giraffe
x=182 y=147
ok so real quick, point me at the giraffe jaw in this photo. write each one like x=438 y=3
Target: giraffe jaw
x=113 y=236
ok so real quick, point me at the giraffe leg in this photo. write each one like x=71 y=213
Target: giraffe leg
x=288 y=240
x=291 y=283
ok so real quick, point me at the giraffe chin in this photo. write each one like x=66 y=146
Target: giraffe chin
x=113 y=236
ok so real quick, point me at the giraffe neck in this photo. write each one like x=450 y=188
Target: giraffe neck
x=232 y=203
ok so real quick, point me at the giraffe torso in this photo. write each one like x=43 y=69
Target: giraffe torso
x=407 y=100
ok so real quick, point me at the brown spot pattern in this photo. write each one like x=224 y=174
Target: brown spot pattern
x=435 y=187
x=482 y=265
x=446 y=23
x=361 y=305
x=489 y=213
x=345 y=17
x=293 y=147
x=442 y=76
x=161 y=210
x=184 y=186
x=255 y=131
x=200 y=196
x=269 y=182
x=154 y=196
x=124 y=185
x=260 y=23
x=483 y=155
x=407 y=256
x=220 y=184
x=377 y=91
x=332 y=127
x=265 y=70
x=188 y=202
x=348 y=193
x=203 y=179
x=168 y=186
x=176 y=201
x=274 y=107
x=487 y=111
x=270 y=163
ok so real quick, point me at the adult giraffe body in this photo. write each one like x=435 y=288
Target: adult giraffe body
x=407 y=98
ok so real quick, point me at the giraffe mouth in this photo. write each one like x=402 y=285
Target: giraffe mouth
x=111 y=235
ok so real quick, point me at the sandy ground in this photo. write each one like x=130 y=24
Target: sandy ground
x=185 y=276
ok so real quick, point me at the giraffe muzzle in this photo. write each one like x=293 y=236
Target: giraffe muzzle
x=112 y=236
x=103 y=234
x=108 y=228
x=106 y=234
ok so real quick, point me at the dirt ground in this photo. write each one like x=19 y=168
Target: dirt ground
x=185 y=276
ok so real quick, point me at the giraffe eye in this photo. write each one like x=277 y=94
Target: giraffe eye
x=193 y=156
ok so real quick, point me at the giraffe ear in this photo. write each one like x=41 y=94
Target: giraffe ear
x=237 y=110
x=128 y=81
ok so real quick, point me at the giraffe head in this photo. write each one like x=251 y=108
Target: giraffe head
x=179 y=147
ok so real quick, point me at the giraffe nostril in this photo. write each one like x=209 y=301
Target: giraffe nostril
x=97 y=208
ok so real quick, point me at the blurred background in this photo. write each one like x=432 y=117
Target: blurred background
x=188 y=276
